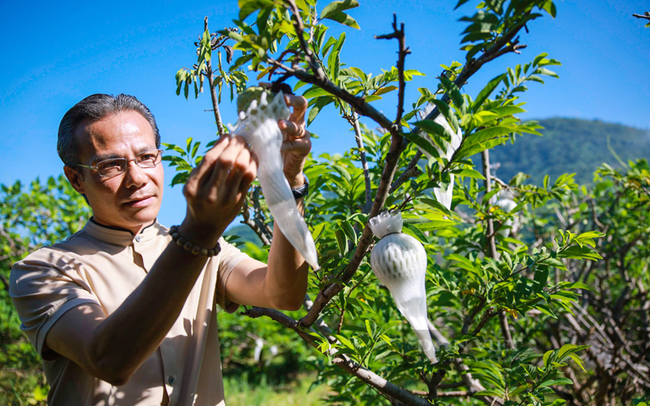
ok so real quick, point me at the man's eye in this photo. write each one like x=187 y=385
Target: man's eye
x=147 y=157
x=109 y=165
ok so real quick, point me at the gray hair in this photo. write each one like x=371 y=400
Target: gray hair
x=94 y=108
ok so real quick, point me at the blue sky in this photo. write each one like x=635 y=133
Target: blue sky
x=54 y=55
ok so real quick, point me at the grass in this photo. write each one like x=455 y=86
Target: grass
x=240 y=391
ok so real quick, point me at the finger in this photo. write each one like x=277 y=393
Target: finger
x=292 y=130
x=233 y=183
x=301 y=146
x=249 y=176
x=225 y=163
x=299 y=105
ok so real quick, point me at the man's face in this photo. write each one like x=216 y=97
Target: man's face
x=130 y=200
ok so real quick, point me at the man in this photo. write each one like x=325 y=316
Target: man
x=123 y=312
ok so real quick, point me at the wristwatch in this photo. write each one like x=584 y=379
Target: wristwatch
x=301 y=191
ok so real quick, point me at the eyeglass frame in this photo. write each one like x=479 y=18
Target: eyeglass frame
x=126 y=163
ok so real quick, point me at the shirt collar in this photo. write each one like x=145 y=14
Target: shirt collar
x=118 y=236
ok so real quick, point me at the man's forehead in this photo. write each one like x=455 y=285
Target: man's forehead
x=111 y=130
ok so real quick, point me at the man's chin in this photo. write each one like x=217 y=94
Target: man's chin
x=143 y=216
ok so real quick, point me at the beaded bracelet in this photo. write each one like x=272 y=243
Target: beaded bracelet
x=188 y=246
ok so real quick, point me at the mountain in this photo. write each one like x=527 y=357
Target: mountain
x=244 y=233
x=569 y=145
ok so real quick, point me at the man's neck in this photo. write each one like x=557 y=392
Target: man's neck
x=132 y=231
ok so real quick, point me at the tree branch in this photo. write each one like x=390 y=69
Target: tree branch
x=645 y=16
x=300 y=28
x=493 y=253
x=253 y=225
x=388 y=173
x=411 y=170
x=213 y=90
x=403 y=51
x=258 y=217
x=342 y=360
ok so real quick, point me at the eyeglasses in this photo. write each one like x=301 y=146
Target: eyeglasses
x=109 y=168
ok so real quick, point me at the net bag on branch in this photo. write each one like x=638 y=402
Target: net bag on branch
x=400 y=262
x=258 y=124
x=445 y=192
x=507 y=204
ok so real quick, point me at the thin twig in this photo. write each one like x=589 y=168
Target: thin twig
x=364 y=162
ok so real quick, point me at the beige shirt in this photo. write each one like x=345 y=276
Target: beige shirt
x=103 y=266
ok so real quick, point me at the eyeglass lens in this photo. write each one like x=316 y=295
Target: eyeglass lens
x=116 y=166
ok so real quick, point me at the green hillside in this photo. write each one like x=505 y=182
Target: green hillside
x=569 y=145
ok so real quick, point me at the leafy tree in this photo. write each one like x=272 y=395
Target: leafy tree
x=30 y=217
x=491 y=292
x=612 y=316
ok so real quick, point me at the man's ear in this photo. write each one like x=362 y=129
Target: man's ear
x=75 y=178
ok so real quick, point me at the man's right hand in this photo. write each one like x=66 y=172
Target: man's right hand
x=216 y=190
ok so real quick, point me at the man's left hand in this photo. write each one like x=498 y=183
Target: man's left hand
x=297 y=140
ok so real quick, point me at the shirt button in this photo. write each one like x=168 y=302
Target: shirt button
x=137 y=239
x=171 y=380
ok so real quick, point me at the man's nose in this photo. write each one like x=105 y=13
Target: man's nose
x=134 y=175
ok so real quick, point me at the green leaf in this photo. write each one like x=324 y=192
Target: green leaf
x=485 y=135
x=349 y=231
x=577 y=252
x=487 y=91
x=247 y=7
x=445 y=110
x=416 y=232
x=338 y=6
x=561 y=381
x=434 y=128
x=315 y=91
x=345 y=341
x=549 y=7
x=578 y=361
x=546 y=357
x=470 y=173
x=546 y=310
x=317 y=107
x=368 y=328
x=334 y=59
x=344 y=19
x=386 y=89
x=547 y=72
x=422 y=143
x=569 y=349
x=541 y=277
x=454 y=93
x=341 y=241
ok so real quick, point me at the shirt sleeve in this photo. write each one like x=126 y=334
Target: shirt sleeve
x=229 y=257
x=42 y=292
